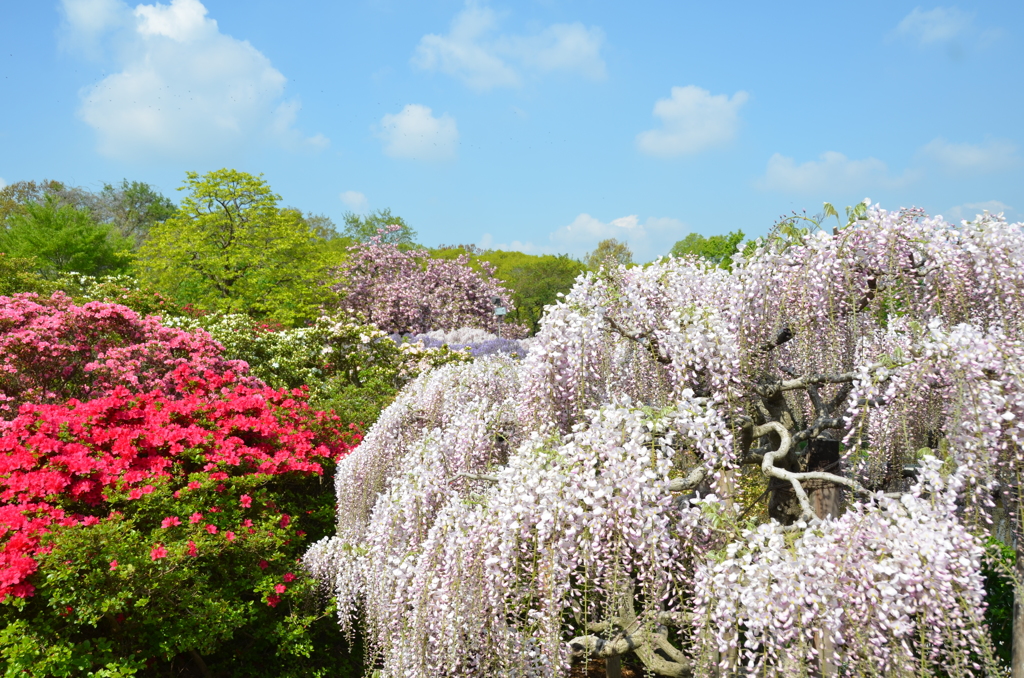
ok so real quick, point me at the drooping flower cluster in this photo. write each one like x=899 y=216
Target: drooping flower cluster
x=597 y=498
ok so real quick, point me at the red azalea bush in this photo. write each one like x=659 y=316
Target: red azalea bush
x=141 y=529
x=52 y=350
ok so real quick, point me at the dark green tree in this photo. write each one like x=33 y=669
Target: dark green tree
x=718 y=249
x=132 y=208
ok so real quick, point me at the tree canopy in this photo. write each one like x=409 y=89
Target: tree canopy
x=231 y=248
x=718 y=249
x=62 y=239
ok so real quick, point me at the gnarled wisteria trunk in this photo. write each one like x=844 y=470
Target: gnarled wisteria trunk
x=784 y=469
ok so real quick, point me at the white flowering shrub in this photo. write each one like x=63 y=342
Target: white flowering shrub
x=786 y=469
x=346 y=365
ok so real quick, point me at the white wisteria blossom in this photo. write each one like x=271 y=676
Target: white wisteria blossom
x=787 y=468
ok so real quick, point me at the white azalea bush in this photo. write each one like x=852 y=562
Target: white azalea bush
x=785 y=469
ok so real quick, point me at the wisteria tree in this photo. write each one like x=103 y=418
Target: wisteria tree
x=786 y=469
x=409 y=291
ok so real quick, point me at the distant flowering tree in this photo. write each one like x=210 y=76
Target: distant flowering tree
x=145 y=531
x=606 y=495
x=407 y=291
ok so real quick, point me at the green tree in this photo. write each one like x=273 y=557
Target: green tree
x=20 y=275
x=609 y=252
x=63 y=239
x=230 y=248
x=132 y=208
x=718 y=249
x=361 y=229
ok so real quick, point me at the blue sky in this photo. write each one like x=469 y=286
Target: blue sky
x=542 y=125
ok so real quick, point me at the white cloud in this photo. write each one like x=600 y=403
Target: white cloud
x=939 y=25
x=474 y=53
x=648 y=240
x=832 y=173
x=184 y=90
x=693 y=120
x=355 y=201
x=991 y=156
x=970 y=210
x=415 y=133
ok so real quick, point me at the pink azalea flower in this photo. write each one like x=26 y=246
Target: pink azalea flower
x=158 y=552
x=229 y=535
x=192 y=550
x=113 y=565
x=170 y=521
x=245 y=500
x=212 y=529
x=288 y=577
x=272 y=601
x=195 y=517
x=280 y=588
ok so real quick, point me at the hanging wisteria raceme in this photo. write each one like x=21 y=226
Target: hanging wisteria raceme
x=784 y=469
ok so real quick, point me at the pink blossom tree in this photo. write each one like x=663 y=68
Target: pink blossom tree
x=789 y=468
x=405 y=290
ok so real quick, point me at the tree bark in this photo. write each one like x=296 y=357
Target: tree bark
x=827 y=501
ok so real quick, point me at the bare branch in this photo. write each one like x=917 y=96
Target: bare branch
x=796 y=479
x=638 y=337
x=694 y=478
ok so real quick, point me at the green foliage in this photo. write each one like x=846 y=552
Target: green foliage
x=106 y=607
x=231 y=249
x=348 y=367
x=361 y=229
x=63 y=239
x=998 y=567
x=123 y=289
x=855 y=213
x=718 y=249
x=21 y=275
x=132 y=209
x=609 y=252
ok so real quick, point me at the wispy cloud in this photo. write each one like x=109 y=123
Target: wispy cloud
x=939 y=25
x=994 y=155
x=184 y=90
x=648 y=240
x=355 y=201
x=473 y=51
x=693 y=120
x=833 y=172
x=417 y=134
x=970 y=210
